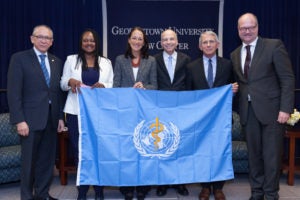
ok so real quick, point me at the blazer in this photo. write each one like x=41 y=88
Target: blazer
x=163 y=78
x=123 y=73
x=196 y=79
x=270 y=81
x=28 y=94
x=72 y=69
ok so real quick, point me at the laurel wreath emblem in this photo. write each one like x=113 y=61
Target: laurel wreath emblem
x=169 y=152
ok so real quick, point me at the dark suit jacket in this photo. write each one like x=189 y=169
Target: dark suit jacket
x=123 y=73
x=163 y=78
x=270 y=81
x=27 y=91
x=196 y=79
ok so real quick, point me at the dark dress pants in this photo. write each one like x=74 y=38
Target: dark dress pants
x=37 y=160
x=217 y=185
x=264 y=143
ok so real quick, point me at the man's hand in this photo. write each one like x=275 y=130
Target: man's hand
x=235 y=87
x=23 y=129
x=61 y=126
x=283 y=117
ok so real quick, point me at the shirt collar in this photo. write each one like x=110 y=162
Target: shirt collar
x=252 y=44
x=166 y=55
x=214 y=58
x=37 y=52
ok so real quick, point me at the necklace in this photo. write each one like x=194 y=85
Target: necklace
x=137 y=64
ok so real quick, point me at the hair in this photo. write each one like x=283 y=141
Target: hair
x=42 y=25
x=145 y=48
x=209 y=33
x=96 y=52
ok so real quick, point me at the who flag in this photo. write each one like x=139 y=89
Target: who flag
x=131 y=137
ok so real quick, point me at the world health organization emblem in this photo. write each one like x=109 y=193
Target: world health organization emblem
x=156 y=138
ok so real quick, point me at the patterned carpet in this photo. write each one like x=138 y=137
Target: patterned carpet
x=237 y=189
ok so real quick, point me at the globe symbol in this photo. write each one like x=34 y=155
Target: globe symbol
x=164 y=141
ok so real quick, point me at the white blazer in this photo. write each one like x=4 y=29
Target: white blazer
x=73 y=70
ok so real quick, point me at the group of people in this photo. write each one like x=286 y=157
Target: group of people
x=260 y=73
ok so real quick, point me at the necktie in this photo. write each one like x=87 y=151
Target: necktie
x=44 y=69
x=247 y=61
x=210 y=76
x=170 y=68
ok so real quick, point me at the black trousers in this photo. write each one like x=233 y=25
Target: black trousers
x=37 y=161
x=217 y=185
x=127 y=189
x=265 y=144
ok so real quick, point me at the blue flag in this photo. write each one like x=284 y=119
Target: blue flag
x=131 y=137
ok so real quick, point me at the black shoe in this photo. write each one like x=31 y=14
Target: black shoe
x=99 y=196
x=161 y=190
x=141 y=196
x=256 y=198
x=128 y=196
x=50 y=198
x=181 y=189
x=81 y=197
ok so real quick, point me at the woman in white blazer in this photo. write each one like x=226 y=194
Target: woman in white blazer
x=85 y=68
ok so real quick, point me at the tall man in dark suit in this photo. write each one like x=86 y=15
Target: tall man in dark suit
x=171 y=69
x=36 y=109
x=198 y=78
x=266 y=98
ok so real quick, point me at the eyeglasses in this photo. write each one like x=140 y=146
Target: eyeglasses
x=41 y=37
x=208 y=42
x=251 y=28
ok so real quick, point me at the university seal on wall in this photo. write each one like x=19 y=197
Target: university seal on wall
x=156 y=138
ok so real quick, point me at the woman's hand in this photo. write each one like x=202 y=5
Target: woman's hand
x=139 y=85
x=98 y=85
x=74 y=84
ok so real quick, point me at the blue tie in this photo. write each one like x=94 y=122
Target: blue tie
x=45 y=71
x=210 y=76
x=170 y=68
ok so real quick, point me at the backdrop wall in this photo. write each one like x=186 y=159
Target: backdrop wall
x=69 y=18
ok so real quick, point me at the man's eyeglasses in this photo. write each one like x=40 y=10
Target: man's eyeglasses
x=41 y=37
x=250 y=28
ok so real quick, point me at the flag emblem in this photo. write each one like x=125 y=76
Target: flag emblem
x=156 y=138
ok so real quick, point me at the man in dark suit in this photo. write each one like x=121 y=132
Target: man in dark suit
x=175 y=81
x=266 y=97
x=171 y=69
x=198 y=78
x=35 y=103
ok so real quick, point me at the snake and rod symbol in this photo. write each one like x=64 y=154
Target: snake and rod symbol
x=159 y=127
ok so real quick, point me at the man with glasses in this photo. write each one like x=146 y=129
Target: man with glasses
x=199 y=76
x=266 y=99
x=35 y=104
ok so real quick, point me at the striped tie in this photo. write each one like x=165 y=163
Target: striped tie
x=45 y=71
